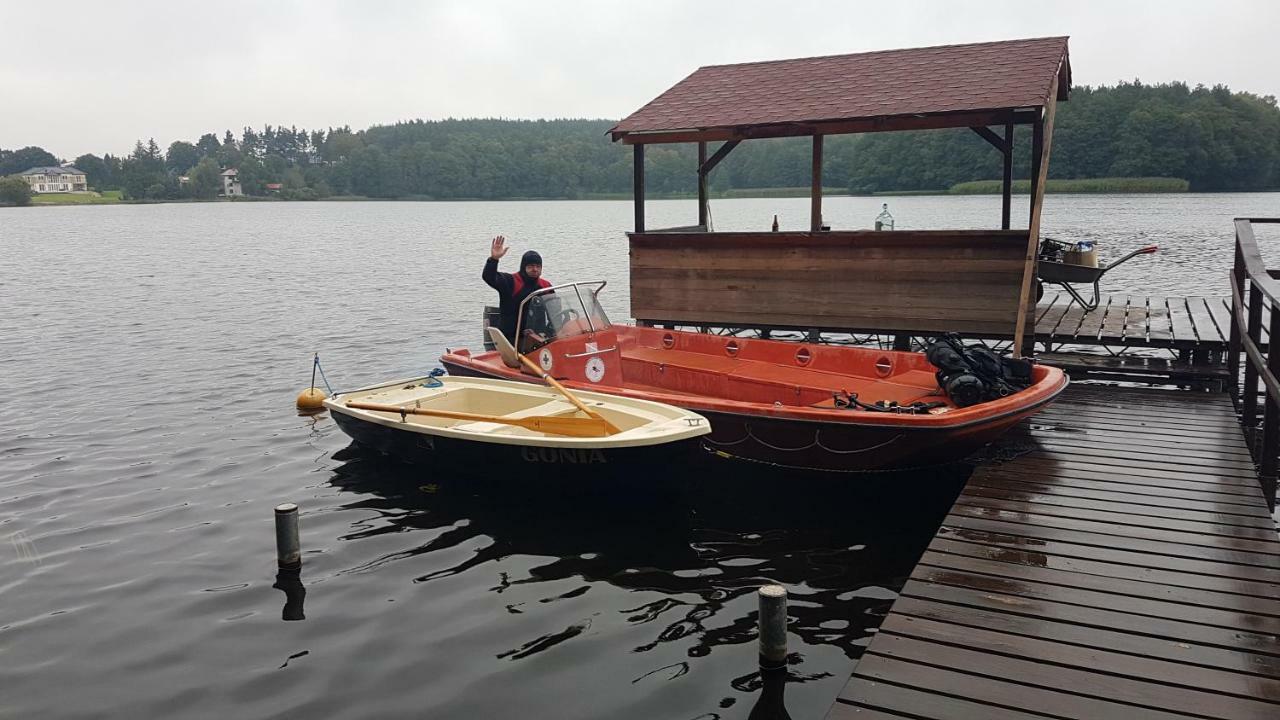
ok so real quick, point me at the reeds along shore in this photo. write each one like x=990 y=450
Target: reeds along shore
x=1085 y=185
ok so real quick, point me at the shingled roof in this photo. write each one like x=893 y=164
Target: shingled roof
x=945 y=86
x=52 y=170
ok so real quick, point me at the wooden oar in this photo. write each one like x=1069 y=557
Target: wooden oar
x=567 y=426
x=537 y=370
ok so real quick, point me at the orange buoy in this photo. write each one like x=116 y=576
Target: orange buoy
x=311 y=400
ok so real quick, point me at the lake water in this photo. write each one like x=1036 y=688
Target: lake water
x=149 y=357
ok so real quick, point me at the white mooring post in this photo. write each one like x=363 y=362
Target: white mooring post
x=773 y=626
x=288 y=547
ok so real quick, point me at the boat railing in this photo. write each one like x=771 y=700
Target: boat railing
x=1254 y=289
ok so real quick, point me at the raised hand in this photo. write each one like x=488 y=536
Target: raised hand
x=498 y=249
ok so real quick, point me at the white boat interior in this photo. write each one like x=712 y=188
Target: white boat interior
x=641 y=422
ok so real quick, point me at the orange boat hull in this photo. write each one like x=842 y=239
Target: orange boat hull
x=771 y=401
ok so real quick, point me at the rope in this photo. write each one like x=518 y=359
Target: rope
x=318 y=366
x=432 y=380
x=817 y=442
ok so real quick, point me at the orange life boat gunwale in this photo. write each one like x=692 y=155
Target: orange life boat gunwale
x=777 y=392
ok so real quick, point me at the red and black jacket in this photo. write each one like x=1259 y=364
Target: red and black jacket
x=512 y=290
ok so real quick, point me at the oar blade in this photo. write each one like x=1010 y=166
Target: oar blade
x=568 y=426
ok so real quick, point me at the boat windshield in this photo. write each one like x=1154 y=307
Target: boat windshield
x=559 y=312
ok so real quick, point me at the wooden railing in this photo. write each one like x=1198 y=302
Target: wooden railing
x=1252 y=288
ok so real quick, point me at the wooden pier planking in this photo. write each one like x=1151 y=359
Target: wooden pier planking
x=1137 y=324
x=1126 y=566
x=1043 y=308
x=1206 y=329
x=1181 y=323
x=1091 y=322
x=1052 y=319
x=1183 y=328
x=1159 y=328
x=1113 y=325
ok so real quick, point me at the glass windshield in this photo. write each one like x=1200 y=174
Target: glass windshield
x=561 y=312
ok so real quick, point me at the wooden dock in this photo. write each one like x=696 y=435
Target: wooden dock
x=1126 y=566
x=1152 y=321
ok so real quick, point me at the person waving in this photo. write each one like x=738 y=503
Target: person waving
x=512 y=289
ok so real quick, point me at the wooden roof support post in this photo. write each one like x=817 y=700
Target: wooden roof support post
x=1037 y=149
x=1005 y=146
x=705 y=166
x=815 y=207
x=637 y=180
x=702 y=185
x=1006 y=200
x=1044 y=132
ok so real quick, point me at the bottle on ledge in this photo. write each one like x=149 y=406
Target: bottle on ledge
x=775 y=223
x=884 y=221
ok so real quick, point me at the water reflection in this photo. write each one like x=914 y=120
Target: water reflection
x=842 y=544
x=771 y=704
x=115 y=491
x=289 y=581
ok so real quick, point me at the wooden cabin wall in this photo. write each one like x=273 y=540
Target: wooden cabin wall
x=965 y=281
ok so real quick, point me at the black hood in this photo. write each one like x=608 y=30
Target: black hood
x=529 y=258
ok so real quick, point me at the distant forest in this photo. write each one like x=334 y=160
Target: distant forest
x=1213 y=138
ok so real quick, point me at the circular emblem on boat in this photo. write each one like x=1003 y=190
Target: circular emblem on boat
x=803 y=356
x=731 y=347
x=545 y=360
x=668 y=341
x=884 y=366
x=595 y=369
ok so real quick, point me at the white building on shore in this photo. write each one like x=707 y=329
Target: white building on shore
x=231 y=183
x=67 y=179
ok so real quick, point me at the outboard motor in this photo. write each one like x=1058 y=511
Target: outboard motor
x=970 y=375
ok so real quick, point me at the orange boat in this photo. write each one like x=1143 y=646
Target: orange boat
x=795 y=405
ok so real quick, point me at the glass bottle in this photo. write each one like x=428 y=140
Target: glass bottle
x=884 y=221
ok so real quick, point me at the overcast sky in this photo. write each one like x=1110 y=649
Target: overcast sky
x=95 y=76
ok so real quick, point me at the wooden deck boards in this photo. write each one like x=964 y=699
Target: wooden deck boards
x=1183 y=323
x=1125 y=566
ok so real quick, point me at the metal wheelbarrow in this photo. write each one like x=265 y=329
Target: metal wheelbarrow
x=1051 y=269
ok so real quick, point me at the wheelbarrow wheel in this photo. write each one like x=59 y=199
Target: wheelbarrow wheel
x=1039 y=289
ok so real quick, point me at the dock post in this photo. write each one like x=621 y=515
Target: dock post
x=288 y=547
x=773 y=626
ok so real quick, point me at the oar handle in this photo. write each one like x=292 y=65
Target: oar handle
x=451 y=414
x=570 y=426
x=537 y=370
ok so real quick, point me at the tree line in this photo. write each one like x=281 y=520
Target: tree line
x=1213 y=138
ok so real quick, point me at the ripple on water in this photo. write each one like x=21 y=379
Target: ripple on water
x=156 y=351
